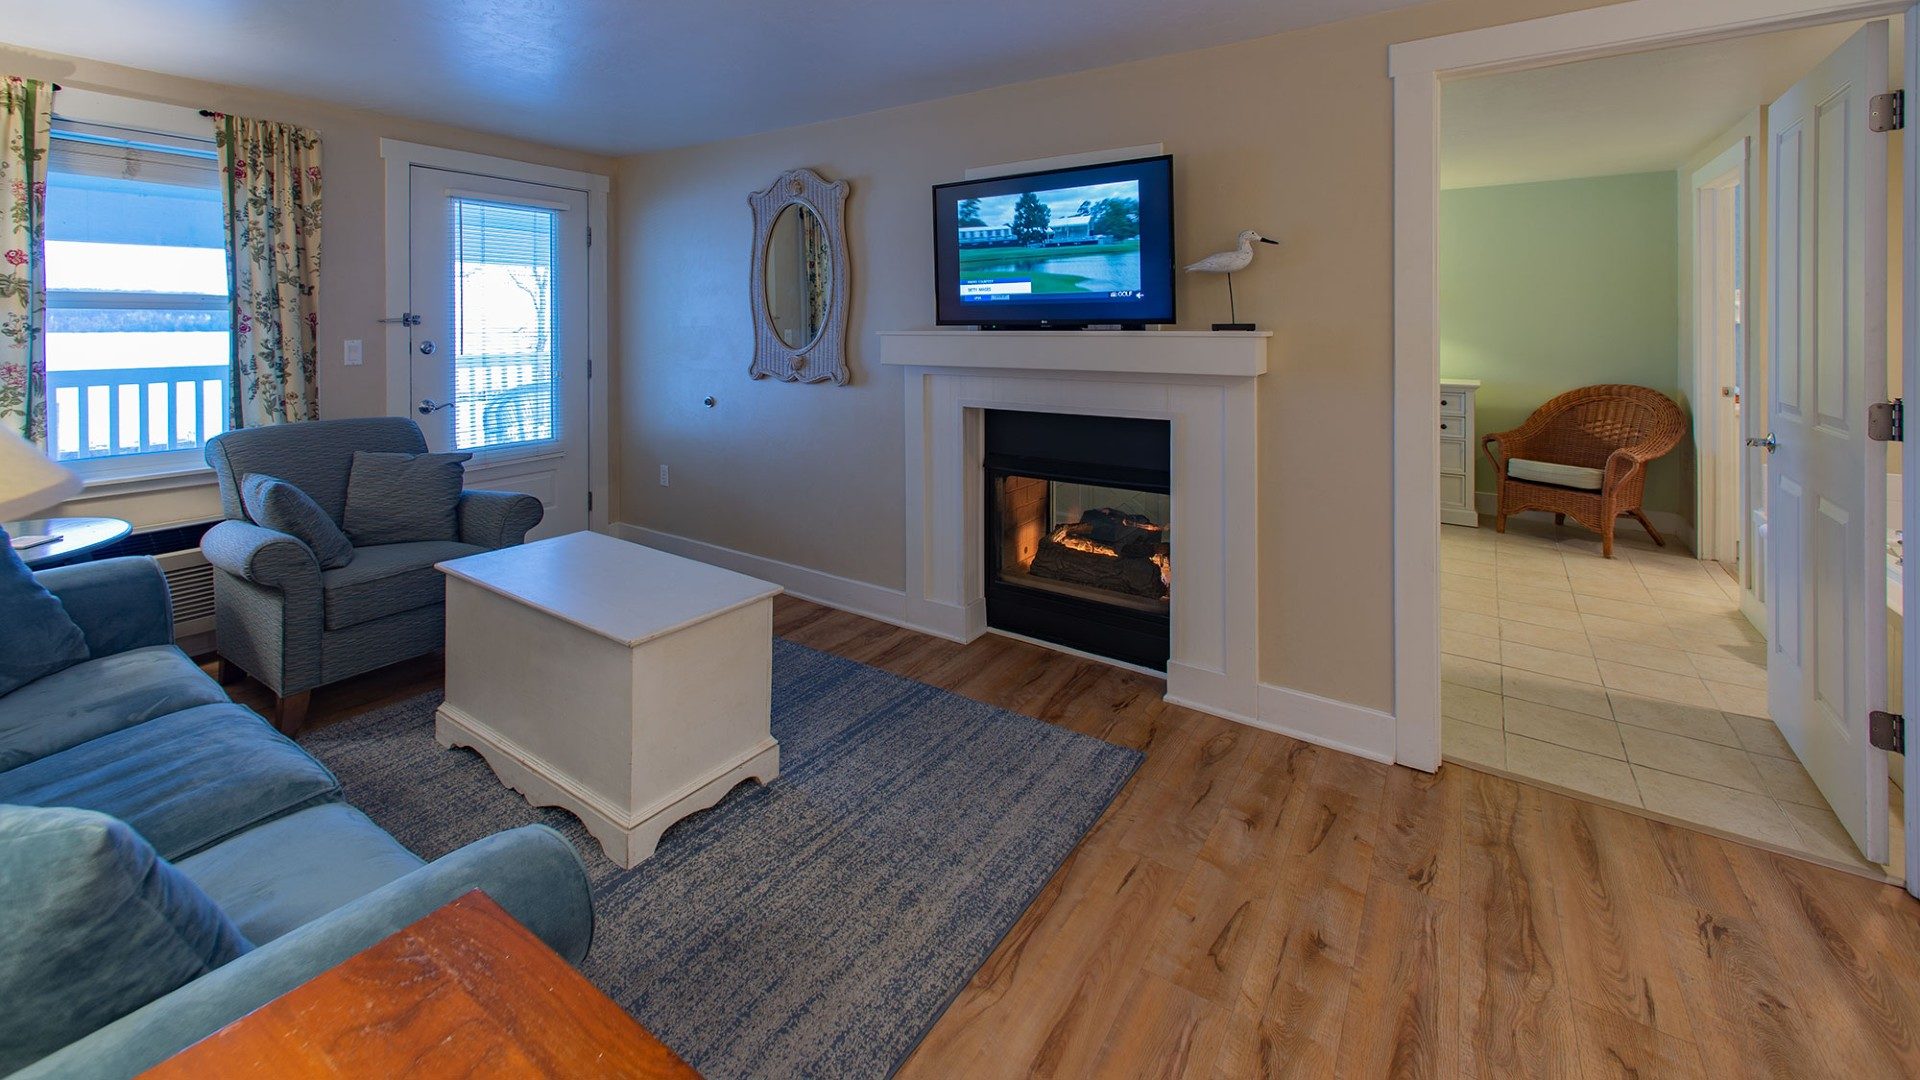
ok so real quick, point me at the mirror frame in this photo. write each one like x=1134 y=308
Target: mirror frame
x=825 y=357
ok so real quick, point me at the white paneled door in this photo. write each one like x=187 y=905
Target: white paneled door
x=1826 y=486
x=499 y=361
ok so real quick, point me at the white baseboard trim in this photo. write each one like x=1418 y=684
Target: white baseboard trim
x=1672 y=526
x=1337 y=725
x=846 y=594
x=1215 y=692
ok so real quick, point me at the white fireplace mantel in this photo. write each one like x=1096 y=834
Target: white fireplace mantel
x=1235 y=354
x=1203 y=383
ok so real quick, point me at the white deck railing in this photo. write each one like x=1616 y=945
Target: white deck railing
x=102 y=412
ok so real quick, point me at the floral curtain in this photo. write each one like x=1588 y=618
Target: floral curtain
x=27 y=112
x=272 y=176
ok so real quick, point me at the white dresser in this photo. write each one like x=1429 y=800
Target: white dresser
x=1457 y=449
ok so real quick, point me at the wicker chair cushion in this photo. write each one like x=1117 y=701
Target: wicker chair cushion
x=1547 y=472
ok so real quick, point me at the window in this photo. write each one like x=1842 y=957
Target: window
x=137 y=303
x=503 y=301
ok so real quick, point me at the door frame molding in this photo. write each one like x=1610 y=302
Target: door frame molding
x=1416 y=69
x=400 y=158
x=1708 y=377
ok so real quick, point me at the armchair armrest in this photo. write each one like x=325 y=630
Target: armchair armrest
x=1621 y=465
x=1500 y=448
x=120 y=604
x=497 y=519
x=262 y=556
x=532 y=872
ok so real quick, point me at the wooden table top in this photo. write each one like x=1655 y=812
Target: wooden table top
x=465 y=992
x=78 y=535
x=622 y=591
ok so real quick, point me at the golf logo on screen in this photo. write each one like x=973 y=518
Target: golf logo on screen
x=1075 y=241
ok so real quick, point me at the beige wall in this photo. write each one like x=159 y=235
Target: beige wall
x=353 y=263
x=1290 y=134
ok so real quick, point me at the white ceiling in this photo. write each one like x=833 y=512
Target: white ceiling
x=1643 y=112
x=619 y=76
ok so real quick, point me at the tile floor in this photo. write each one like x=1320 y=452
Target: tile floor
x=1634 y=680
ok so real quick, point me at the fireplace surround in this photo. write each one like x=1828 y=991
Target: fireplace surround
x=1202 y=386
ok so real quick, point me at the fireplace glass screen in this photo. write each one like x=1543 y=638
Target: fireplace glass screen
x=1111 y=545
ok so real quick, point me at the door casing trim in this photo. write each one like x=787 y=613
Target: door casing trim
x=1417 y=69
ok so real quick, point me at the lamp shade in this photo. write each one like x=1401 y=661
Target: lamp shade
x=29 y=480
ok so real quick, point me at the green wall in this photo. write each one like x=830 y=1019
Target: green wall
x=1551 y=286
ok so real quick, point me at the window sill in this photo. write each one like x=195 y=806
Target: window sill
x=162 y=478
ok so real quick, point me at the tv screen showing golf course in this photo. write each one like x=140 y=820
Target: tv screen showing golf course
x=1084 y=245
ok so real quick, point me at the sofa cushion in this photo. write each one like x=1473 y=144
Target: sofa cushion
x=93 y=925
x=295 y=869
x=89 y=700
x=388 y=579
x=402 y=498
x=184 y=781
x=1548 y=472
x=40 y=638
x=275 y=504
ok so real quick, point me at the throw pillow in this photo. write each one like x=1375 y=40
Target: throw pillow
x=93 y=925
x=401 y=498
x=37 y=637
x=275 y=504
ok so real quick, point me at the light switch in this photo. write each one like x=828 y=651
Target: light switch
x=353 y=352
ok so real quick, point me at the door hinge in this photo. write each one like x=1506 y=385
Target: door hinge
x=589 y=500
x=589 y=236
x=589 y=367
x=1887 y=421
x=1887 y=112
x=1887 y=731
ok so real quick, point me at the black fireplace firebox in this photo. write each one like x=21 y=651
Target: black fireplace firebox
x=1079 y=543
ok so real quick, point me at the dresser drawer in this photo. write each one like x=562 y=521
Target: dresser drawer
x=1453 y=427
x=1455 y=457
x=1452 y=403
x=1456 y=491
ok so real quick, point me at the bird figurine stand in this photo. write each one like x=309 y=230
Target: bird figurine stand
x=1226 y=262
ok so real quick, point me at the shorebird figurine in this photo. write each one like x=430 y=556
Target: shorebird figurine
x=1226 y=262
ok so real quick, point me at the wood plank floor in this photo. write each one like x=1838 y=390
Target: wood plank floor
x=1253 y=906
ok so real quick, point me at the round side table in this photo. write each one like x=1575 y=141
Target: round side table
x=79 y=536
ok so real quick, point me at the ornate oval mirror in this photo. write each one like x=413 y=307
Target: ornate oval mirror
x=799 y=279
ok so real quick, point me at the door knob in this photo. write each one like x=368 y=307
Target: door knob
x=428 y=408
x=426 y=348
x=1766 y=442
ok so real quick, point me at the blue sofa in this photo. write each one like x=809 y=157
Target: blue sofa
x=140 y=733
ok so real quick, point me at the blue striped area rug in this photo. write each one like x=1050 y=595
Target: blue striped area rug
x=814 y=927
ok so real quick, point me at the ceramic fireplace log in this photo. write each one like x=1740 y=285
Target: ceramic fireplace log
x=1131 y=575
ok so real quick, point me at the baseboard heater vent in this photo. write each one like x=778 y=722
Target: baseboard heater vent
x=189 y=575
x=190 y=581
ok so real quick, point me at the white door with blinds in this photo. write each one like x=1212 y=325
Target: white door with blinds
x=499 y=361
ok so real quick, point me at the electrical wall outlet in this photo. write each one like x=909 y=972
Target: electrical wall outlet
x=663 y=476
x=353 y=357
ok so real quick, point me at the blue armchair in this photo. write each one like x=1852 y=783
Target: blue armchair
x=285 y=621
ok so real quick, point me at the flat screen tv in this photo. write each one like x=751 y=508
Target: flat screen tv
x=1064 y=248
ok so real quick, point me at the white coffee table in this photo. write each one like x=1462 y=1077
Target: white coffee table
x=627 y=685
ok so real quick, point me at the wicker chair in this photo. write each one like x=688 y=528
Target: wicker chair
x=1584 y=455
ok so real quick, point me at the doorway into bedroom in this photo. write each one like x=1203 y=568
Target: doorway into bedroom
x=1606 y=332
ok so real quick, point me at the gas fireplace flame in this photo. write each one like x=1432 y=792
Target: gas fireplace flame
x=1080 y=543
x=1165 y=563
